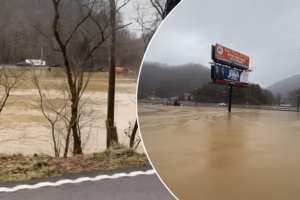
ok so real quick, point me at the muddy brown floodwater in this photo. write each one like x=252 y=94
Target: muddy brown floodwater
x=22 y=115
x=208 y=153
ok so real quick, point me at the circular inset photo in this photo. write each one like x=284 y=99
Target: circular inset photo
x=218 y=100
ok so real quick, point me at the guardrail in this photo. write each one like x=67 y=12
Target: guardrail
x=291 y=108
x=201 y=104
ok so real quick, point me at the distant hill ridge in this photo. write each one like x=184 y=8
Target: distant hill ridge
x=167 y=80
x=286 y=85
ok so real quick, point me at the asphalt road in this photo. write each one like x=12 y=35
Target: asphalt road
x=142 y=187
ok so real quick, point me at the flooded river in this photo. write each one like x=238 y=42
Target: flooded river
x=23 y=124
x=207 y=153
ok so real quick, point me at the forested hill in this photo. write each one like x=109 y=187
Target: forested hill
x=20 y=41
x=167 y=80
x=286 y=85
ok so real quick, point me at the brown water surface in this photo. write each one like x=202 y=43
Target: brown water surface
x=208 y=153
x=23 y=124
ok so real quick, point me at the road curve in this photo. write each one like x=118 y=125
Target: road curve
x=139 y=187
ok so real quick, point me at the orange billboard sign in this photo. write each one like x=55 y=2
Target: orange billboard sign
x=228 y=56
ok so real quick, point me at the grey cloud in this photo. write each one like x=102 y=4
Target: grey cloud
x=267 y=31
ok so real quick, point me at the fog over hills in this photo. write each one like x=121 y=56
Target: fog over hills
x=286 y=85
x=167 y=80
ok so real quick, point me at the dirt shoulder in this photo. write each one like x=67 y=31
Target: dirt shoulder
x=19 y=167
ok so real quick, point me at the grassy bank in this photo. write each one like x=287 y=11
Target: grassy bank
x=19 y=167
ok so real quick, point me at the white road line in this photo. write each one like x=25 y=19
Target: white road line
x=79 y=180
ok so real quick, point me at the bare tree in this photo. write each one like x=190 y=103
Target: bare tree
x=85 y=42
x=52 y=109
x=111 y=130
x=164 y=7
x=10 y=79
x=55 y=109
x=150 y=14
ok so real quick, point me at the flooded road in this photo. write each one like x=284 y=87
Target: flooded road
x=208 y=153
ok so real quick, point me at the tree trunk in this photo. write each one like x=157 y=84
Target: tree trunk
x=132 y=137
x=67 y=143
x=74 y=124
x=170 y=4
x=111 y=135
x=54 y=141
x=3 y=104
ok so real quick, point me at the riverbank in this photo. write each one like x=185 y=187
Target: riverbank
x=20 y=167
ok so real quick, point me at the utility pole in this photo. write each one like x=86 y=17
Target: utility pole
x=196 y=96
x=298 y=103
x=15 y=48
x=41 y=52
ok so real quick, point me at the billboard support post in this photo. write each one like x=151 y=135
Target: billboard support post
x=230 y=98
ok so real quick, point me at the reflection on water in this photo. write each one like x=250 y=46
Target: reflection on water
x=226 y=143
x=208 y=153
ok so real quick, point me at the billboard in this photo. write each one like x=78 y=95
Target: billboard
x=222 y=72
x=224 y=55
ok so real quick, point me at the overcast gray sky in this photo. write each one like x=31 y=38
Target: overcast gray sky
x=268 y=31
x=129 y=13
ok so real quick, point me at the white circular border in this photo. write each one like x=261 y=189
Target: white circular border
x=149 y=44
